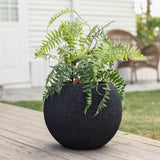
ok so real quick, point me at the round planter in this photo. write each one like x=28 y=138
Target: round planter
x=65 y=119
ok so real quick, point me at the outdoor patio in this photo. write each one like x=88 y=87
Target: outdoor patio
x=24 y=136
x=23 y=132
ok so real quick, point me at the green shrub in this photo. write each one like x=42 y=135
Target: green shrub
x=148 y=29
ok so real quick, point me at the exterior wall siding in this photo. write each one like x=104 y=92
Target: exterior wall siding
x=105 y=11
x=95 y=12
x=39 y=13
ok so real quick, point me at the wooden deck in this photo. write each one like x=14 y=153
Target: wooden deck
x=24 y=136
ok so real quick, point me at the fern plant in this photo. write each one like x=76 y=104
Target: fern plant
x=83 y=58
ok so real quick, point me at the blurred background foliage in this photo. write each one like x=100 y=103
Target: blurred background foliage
x=148 y=27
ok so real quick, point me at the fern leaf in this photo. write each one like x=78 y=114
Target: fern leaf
x=102 y=104
x=59 y=14
x=49 y=44
x=89 y=100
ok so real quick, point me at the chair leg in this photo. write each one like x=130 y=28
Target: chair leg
x=135 y=76
x=132 y=77
x=158 y=76
x=132 y=72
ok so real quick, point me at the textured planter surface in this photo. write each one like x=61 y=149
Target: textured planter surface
x=65 y=119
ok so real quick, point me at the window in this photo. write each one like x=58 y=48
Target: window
x=8 y=10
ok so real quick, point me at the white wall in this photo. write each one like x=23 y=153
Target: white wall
x=93 y=11
x=105 y=11
x=39 y=13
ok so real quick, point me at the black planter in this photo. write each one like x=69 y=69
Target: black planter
x=65 y=119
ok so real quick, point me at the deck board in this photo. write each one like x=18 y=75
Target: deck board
x=24 y=136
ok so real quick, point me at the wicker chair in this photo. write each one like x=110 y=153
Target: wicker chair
x=152 y=52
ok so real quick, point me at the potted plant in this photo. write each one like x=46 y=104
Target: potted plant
x=83 y=94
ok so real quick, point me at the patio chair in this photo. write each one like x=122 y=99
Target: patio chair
x=151 y=52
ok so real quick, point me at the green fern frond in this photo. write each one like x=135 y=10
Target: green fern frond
x=114 y=77
x=108 y=24
x=52 y=39
x=102 y=104
x=59 y=75
x=92 y=31
x=88 y=100
x=59 y=14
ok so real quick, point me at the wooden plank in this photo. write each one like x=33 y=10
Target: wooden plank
x=111 y=149
x=19 y=111
x=123 y=140
x=14 y=126
x=36 y=116
x=118 y=139
x=14 y=150
x=38 y=138
x=3 y=157
x=27 y=127
x=56 y=149
x=137 y=138
x=99 y=154
x=136 y=144
x=10 y=109
x=26 y=119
